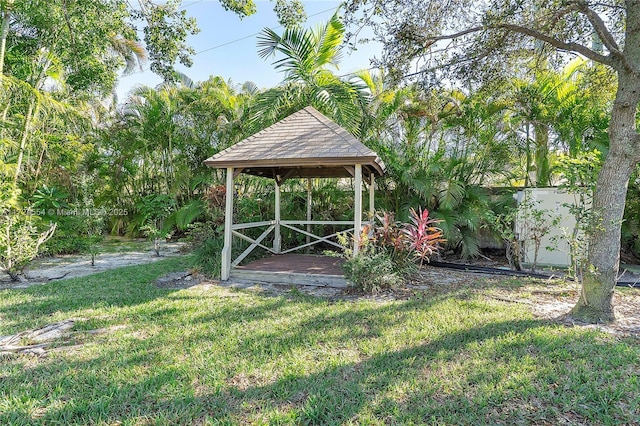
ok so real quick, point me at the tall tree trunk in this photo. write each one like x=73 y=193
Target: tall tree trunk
x=4 y=32
x=527 y=177
x=543 y=171
x=38 y=169
x=26 y=129
x=595 y=304
x=3 y=117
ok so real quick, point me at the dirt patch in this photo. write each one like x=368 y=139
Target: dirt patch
x=548 y=299
x=179 y=280
x=554 y=306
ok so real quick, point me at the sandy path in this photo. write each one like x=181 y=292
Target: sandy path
x=54 y=268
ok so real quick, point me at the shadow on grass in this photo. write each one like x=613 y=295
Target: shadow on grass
x=122 y=287
x=518 y=365
x=310 y=320
x=505 y=372
x=338 y=394
x=218 y=356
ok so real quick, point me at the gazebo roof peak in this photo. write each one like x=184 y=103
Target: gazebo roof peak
x=304 y=144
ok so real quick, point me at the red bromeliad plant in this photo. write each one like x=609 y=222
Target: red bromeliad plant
x=388 y=250
x=422 y=236
x=389 y=233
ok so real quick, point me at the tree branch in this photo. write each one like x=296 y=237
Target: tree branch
x=456 y=35
x=423 y=44
x=66 y=20
x=609 y=6
x=598 y=24
x=562 y=45
x=561 y=13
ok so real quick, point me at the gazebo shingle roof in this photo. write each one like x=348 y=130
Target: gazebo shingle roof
x=304 y=144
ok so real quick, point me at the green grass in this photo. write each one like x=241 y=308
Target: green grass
x=218 y=356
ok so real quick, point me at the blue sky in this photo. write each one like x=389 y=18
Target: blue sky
x=226 y=45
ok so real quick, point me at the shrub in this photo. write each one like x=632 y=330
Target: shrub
x=70 y=237
x=51 y=204
x=374 y=271
x=76 y=234
x=152 y=210
x=386 y=251
x=20 y=241
x=207 y=241
x=207 y=257
x=49 y=198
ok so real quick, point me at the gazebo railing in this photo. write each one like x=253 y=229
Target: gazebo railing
x=293 y=225
x=290 y=224
x=254 y=243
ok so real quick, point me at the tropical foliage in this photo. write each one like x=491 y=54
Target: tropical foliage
x=457 y=149
x=492 y=41
x=443 y=149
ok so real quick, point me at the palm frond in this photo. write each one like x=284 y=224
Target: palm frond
x=447 y=223
x=274 y=104
x=250 y=88
x=451 y=194
x=131 y=51
x=328 y=39
x=189 y=213
x=268 y=41
x=469 y=244
x=296 y=46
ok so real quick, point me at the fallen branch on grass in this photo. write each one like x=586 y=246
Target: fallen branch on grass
x=59 y=277
x=504 y=299
x=42 y=337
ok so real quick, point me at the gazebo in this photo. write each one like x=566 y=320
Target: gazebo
x=305 y=144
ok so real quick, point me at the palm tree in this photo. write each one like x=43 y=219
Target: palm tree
x=539 y=106
x=159 y=137
x=439 y=147
x=582 y=115
x=308 y=58
x=222 y=107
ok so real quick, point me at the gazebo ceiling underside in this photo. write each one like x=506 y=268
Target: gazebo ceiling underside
x=284 y=172
x=305 y=144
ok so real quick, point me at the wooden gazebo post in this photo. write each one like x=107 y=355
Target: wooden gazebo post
x=309 y=205
x=277 y=237
x=357 y=214
x=228 y=227
x=372 y=189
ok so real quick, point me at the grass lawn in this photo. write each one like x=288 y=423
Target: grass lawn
x=218 y=356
